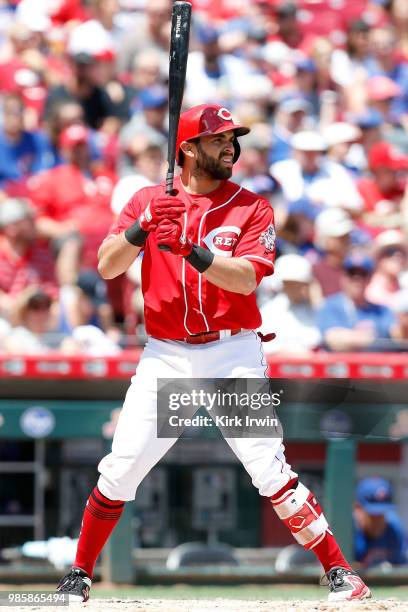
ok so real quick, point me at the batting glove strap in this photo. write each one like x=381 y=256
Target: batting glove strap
x=201 y=259
x=136 y=235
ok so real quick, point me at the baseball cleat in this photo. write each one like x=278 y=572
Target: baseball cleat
x=346 y=585
x=76 y=585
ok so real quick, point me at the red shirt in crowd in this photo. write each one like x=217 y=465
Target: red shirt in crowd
x=64 y=193
x=373 y=196
x=35 y=267
x=178 y=300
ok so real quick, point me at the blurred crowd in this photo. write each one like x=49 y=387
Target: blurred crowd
x=83 y=117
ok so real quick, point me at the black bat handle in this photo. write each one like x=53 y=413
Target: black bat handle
x=169 y=191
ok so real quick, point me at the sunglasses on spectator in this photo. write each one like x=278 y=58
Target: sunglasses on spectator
x=39 y=303
x=357 y=272
x=391 y=251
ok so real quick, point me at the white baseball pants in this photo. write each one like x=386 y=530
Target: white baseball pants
x=136 y=448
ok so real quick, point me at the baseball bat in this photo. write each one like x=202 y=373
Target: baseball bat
x=179 y=40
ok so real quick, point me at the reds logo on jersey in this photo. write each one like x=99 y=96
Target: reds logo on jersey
x=222 y=240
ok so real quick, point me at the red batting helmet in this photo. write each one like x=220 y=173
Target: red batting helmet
x=204 y=120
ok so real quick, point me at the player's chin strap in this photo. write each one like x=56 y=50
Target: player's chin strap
x=266 y=337
x=300 y=511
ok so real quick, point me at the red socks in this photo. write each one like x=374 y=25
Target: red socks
x=329 y=554
x=100 y=517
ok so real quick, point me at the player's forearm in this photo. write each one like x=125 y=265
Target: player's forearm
x=235 y=274
x=115 y=256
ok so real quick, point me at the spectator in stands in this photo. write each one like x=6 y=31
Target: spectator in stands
x=215 y=75
x=25 y=260
x=383 y=193
x=291 y=314
x=370 y=122
x=33 y=324
x=382 y=94
x=348 y=65
x=147 y=159
x=289 y=118
x=333 y=229
x=400 y=329
x=147 y=71
x=62 y=116
x=22 y=152
x=305 y=83
x=379 y=537
x=82 y=87
x=85 y=304
x=295 y=227
x=340 y=138
x=310 y=175
x=149 y=120
x=386 y=62
x=390 y=251
x=73 y=205
x=347 y=321
x=150 y=30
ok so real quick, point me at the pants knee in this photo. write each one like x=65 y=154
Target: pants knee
x=119 y=477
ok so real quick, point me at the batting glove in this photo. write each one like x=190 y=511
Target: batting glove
x=160 y=208
x=170 y=234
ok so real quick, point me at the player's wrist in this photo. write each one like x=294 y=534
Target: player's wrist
x=136 y=235
x=201 y=259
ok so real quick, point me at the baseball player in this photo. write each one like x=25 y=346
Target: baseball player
x=200 y=312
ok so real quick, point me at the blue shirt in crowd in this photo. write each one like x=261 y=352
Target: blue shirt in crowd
x=339 y=311
x=21 y=159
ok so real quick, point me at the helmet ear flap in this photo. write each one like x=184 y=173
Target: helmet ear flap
x=237 y=149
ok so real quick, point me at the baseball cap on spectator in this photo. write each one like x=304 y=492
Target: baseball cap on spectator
x=206 y=34
x=308 y=141
x=333 y=222
x=30 y=15
x=367 y=120
x=72 y=136
x=389 y=239
x=382 y=88
x=341 y=132
x=359 y=25
x=293 y=103
x=384 y=155
x=400 y=302
x=305 y=65
x=14 y=210
x=375 y=496
x=153 y=97
x=93 y=286
x=293 y=268
x=304 y=207
x=358 y=261
x=92 y=39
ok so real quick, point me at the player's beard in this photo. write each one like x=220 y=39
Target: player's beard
x=210 y=166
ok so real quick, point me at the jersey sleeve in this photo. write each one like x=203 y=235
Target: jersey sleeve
x=257 y=241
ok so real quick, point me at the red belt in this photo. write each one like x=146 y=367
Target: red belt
x=211 y=336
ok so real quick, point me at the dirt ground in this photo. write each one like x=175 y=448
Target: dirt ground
x=220 y=605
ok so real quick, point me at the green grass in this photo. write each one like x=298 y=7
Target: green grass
x=256 y=592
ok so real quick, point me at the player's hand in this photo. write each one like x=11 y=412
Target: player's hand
x=159 y=208
x=170 y=234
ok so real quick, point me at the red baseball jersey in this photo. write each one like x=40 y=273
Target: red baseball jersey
x=178 y=300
